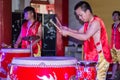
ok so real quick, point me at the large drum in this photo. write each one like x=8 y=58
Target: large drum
x=43 y=68
x=86 y=70
x=6 y=57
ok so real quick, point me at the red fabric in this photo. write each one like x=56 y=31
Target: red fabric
x=90 y=51
x=61 y=9
x=8 y=59
x=32 y=32
x=116 y=34
x=42 y=73
x=59 y=45
x=5 y=22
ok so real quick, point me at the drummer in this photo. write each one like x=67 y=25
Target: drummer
x=94 y=35
x=115 y=40
x=30 y=28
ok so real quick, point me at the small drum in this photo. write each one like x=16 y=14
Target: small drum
x=8 y=55
x=86 y=70
x=43 y=68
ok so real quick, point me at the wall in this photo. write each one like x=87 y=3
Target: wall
x=19 y=4
x=15 y=5
x=73 y=22
x=27 y=2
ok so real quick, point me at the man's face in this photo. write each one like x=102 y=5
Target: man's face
x=115 y=17
x=84 y=16
x=28 y=15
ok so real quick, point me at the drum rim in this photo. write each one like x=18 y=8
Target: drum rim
x=87 y=63
x=15 y=50
x=41 y=62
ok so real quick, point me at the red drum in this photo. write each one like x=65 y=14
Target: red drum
x=8 y=55
x=43 y=68
x=86 y=70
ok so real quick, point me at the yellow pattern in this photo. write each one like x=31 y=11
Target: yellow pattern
x=115 y=55
x=102 y=67
x=38 y=54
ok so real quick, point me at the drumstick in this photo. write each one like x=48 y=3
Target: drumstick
x=58 y=21
x=55 y=25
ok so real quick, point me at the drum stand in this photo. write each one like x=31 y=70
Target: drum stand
x=31 y=47
x=31 y=39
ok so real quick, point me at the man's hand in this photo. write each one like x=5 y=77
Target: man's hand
x=64 y=32
x=15 y=45
x=65 y=27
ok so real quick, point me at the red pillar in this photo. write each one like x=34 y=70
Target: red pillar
x=5 y=21
x=61 y=9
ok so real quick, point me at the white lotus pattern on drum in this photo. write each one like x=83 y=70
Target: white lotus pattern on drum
x=44 y=77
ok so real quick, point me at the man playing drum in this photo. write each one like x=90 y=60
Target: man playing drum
x=94 y=35
x=31 y=28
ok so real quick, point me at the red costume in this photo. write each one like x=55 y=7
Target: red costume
x=32 y=31
x=90 y=51
x=115 y=37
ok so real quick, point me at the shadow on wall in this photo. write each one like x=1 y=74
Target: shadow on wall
x=74 y=22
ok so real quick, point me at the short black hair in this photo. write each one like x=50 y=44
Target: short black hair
x=114 y=12
x=84 y=6
x=31 y=9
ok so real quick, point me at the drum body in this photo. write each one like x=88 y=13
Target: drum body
x=9 y=54
x=86 y=70
x=43 y=68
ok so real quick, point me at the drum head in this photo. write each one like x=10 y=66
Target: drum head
x=42 y=61
x=15 y=50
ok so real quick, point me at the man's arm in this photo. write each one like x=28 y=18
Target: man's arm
x=39 y=31
x=81 y=29
x=93 y=28
x=18 y=40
